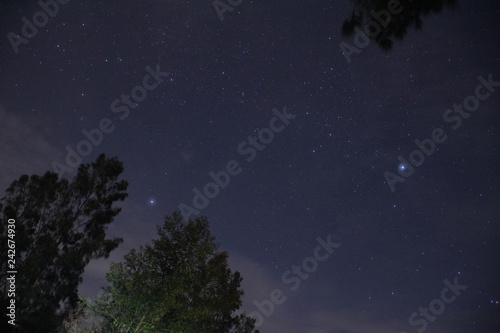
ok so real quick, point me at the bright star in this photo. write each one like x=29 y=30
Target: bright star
x=152 y=202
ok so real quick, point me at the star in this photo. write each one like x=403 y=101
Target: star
x=152 y=202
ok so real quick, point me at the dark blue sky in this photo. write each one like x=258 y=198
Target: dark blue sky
x=321 y=174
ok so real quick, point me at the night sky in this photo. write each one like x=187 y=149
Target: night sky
x=267 y=94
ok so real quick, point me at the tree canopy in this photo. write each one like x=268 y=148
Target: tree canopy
x=179 y=283
x=395 y=25
x=60 y=226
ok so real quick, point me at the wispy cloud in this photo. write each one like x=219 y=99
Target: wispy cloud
x=297 y=316
x=24 y=148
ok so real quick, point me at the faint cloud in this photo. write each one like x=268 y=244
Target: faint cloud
x=257 y=280
x=294 y=316
x=354 y=322
x=24 y=148
x=130 y=226
x=187 y=156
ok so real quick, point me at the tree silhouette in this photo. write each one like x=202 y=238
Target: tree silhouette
x=59 y=227
x=398 y=25
x=180 y=283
